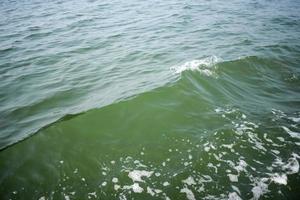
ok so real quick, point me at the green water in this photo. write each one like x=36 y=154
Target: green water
x=149 y=100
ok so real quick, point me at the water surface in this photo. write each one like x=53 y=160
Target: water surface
x=149 y=100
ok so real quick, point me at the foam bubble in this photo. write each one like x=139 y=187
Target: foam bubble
x=291 y=133
x=260 y=189
x=66 y=197
x=229 y=146
x=233 y=178
x=158 y=191
x=292 y=167
x=136 y=175
x=236 y=189
x=295 y=119
x=150 y=191
x=190 y=181
x=115 y=180
x=166 y=183
x=189 y=194
x=241 y=166
x=116 y=187
x=139 y=164
x=136 y=188
x=206 y=149
x=275 y=151
x=92 y=194
x=279 y=179
x=234 y=196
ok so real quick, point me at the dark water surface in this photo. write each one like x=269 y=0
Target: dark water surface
x=149 y=99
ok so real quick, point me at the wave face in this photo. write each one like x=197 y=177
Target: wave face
x=143 y=100
x=199 y=137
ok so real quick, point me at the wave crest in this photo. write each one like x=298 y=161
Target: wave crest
x=205 y=66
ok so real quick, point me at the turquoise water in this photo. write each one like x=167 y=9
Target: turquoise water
x=149 y=100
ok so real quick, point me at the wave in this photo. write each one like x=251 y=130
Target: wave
x=249 y=79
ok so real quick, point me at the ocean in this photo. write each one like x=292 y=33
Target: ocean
x=149 y=99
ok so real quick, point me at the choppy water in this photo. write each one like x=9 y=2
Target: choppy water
x=149 y=99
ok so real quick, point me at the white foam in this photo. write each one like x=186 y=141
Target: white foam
x=116 y=187
x=66 y=197
x=213 y=166
x=295 y=119
x=242 y=166
x=105 y=168
x=279 y=179
x=115 y=180
x=139 y=164
x=206 y=149
x=166 y=183
x=295 y=155
x=292 y=167
x=291 y=133
x=275 y=151
x=233 y=178
x=260 y=189
x=136 y=175
x=229 y=146
x=236 y=189
x=189 y=194
x=92 y=194
x=267 y=139
x=190 y=181
x=158 y=191
x=150 y=191
x=122 y=197
x=136 y=188
x=207 y=178
x=234 y=196
x=281 y=139
x=204 y=66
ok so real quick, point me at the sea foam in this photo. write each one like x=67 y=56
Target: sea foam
x=205 y=66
